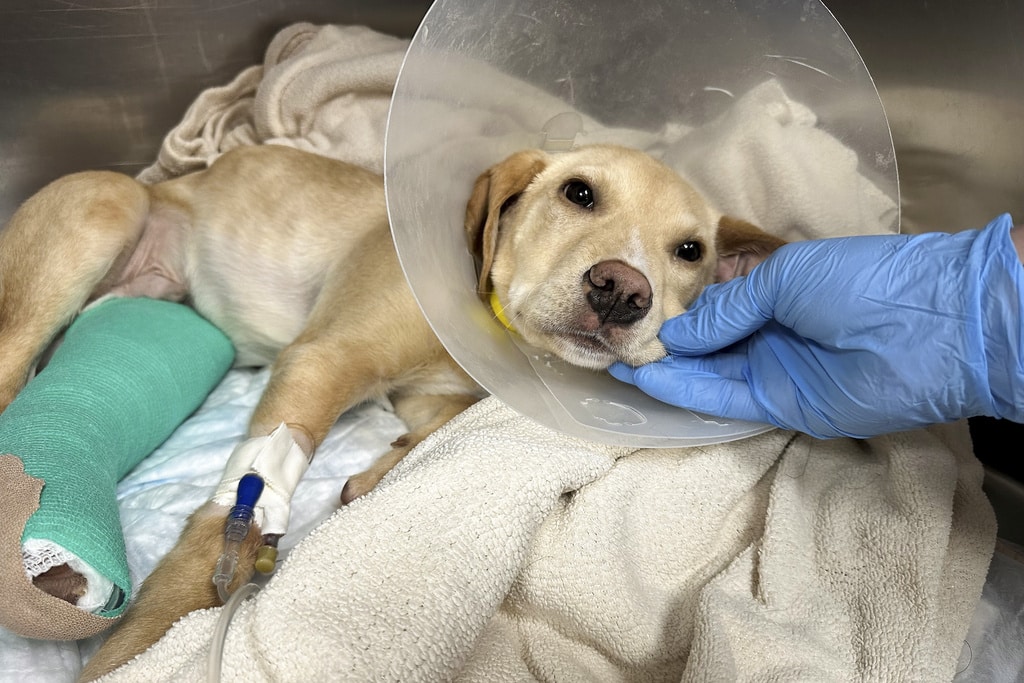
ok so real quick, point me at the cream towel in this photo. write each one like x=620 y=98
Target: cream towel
x=766 y=160
x=327 y=89
x=324 y=89
x=502 y=551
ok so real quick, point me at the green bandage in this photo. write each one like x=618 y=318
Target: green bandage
x=128 y=372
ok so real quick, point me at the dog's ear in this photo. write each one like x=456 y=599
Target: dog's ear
x=741 y=246
x=494 y=190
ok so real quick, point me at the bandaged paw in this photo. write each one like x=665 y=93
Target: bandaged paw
x=127 y=374
x=281 y=462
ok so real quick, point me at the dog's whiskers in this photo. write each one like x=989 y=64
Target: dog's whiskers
x=519 y=314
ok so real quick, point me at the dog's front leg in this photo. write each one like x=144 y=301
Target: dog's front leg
x=309 y=387
x=336 y=364
x=213 y=556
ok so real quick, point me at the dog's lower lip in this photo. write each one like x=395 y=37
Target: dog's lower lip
x=585 y=340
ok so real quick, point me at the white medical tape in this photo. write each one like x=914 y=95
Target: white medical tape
x=280 y=462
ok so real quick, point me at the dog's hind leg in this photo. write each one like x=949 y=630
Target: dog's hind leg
x=55 y=252
x=423 y=415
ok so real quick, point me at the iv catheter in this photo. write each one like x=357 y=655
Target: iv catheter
x=236 y=529
x=260 y=478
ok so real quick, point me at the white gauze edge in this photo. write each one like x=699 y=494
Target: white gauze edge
x=39 y=555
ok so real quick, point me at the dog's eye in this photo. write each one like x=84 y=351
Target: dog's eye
x=579 y=193
x=689 y=251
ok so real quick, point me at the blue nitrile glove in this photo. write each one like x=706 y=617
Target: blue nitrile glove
x=855 y=336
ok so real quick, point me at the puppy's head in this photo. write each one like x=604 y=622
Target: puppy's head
x=590 y=251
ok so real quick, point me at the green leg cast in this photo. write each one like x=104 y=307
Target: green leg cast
x=127 y=374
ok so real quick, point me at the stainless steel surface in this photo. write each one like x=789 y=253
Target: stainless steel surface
x=949 y=76
x=1007 y=498
x=96 y=83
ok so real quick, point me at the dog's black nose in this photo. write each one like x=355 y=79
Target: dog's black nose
x=618 y=293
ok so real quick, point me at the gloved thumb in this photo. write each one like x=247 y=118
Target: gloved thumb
x=722 y=315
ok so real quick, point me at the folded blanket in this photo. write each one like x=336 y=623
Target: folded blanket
x=322 y=89
x=500 y=550
x=766 y=159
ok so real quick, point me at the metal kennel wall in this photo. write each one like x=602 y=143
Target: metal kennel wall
x=97 y=83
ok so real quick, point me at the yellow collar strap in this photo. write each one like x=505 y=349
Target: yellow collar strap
x=499 y=312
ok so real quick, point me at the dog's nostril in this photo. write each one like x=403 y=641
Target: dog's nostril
x=628 y=282
x=617 y=292
x=602 y=283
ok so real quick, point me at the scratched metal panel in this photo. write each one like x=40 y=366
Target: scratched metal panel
x=97 y=83
x=950 y=76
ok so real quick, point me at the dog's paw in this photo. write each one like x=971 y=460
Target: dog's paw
x=358 y=485
x=62 y=582
x=362 y=483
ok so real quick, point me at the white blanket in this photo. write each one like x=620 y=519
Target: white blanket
x=322 y=89
x=499 y=550
x=502 y=551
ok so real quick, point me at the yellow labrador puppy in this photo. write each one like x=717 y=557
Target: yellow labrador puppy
x=586 y=252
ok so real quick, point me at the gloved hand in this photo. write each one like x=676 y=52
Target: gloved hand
x=855 y=336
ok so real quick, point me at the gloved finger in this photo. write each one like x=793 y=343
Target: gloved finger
x=722 y=315
x=704 y=392
x=727 y=365
x=622 y=372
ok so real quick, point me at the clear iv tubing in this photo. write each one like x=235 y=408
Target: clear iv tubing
x=220 y=631
x=238 y=524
